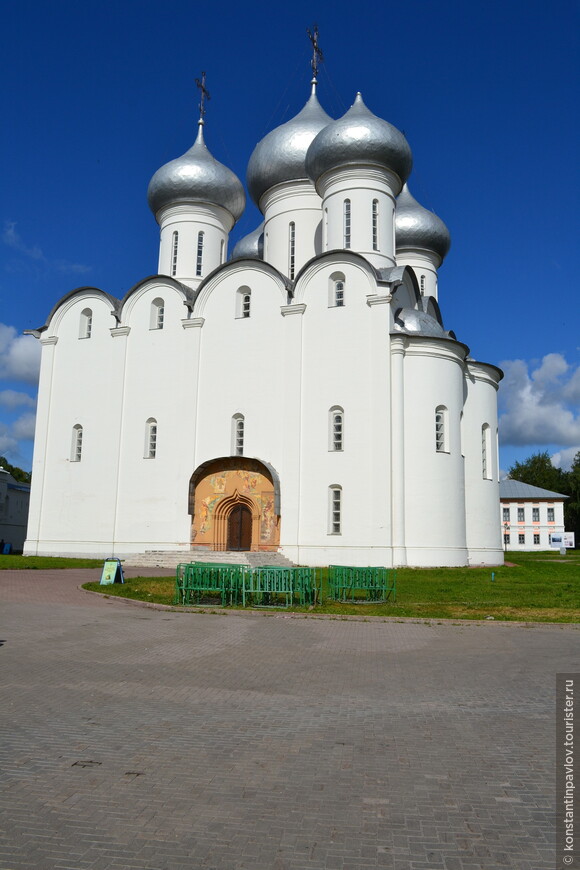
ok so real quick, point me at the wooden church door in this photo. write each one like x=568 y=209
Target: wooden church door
x=240 y=528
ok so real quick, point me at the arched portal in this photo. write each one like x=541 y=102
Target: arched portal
x=234 y=505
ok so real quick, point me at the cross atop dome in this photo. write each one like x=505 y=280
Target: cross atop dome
x=204 y=95
x=317 y=56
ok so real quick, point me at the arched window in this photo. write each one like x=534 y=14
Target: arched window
x=375 y=225
x=86 y=323
x=346 y=223
x=336 y=290
x=325 y=229
x=150 y=438
x=222 y=251
x=174 y=246
x=157 y=314
x=291 y=249
x=422 y=284
x=486 y=451
x=199 y=258
x=336 y=429
x=335 y=510
x=243 y=302
x=238 y=434
x=441 y=434
x=77 y=443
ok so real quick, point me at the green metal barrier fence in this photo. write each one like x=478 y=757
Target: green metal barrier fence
x=267 y=586
x=346 y=583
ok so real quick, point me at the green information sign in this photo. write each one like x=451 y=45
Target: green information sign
x=112 y=572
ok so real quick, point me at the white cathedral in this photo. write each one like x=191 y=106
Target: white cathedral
x=301 y=397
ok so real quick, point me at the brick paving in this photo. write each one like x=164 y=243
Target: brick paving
x=155 y=740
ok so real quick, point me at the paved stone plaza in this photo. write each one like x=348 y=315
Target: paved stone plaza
x=145 y=738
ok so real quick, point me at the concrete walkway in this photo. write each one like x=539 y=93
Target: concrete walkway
x=150 y=739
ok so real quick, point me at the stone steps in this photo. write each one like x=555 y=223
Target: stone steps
x=172 y=558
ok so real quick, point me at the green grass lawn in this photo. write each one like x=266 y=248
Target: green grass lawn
x=46 y=562
x=539 y=587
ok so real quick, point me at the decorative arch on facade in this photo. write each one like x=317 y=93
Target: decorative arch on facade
x=218 y=486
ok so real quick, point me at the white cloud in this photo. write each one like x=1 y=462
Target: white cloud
x=23 y=427
x=12 y=399
x=539 y=406
x=12 y=238
x=19 y=355
x=563 y=458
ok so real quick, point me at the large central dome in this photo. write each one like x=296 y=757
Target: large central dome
x=281 y=154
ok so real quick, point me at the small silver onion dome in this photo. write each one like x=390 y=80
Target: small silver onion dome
x=416 y=227
x=196 y=176
x=359 y=137
x=280 y=155
x=250 y=246
x=415 y=322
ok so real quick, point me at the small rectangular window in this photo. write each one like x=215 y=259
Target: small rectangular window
x=536 y=539
x=536 y=515
x=550 y=514
x=506 y=539
x=375 y=225
x=199 y=257
x=521 y=515
x=335 y=511
x=521 y=539
x=347 y=223
x=506 y=514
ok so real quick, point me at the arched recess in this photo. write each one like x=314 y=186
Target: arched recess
x=216 y=487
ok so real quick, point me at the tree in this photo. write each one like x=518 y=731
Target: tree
x=17 y=473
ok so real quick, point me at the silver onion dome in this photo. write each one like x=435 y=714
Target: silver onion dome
x=416 y=227
x=197 y=176
x=280 y=155
x=250 y=246
x=415 y=322
x=359 y=137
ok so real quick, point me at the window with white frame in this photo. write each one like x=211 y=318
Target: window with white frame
x=375 y=225
x=521 y=539
x=536 y=539
x=86 y=323
x=346 y=223
x=174 y=246
x=486 y=451
x=506 y=539
x=336 y=290
x=157 y=314
x=339 y=294
x=551 y=516
x=335 y=510
x=291 y=249
x=441 y=429
x=521 y=515
x=535 y=514
x=150 y=438
x=243 y=302
x=336 y=429
x=506 y=514
x=238 y=426
x=76 y=452
x=199 y=257
x=222 y=251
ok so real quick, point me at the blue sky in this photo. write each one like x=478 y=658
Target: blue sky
x=98 y=96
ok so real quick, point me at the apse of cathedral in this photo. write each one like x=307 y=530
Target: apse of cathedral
x=300 y=395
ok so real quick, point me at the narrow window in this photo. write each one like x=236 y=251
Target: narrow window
x=485 y=451
x=325 y=229
x=347 y=223
x=422 y=284
x=339 y=294
x=243 y=302
x=174 y=253
x=375 y=225
x=521 y=539
x=550 y=514
x=77 y=443
x=336 y=433
x=535 y=514
x=291 y=249
x=335 y=510
x=506 y=515
x=222 y=251
x=536 y=539
x=199 y=259
x=520 y=515
x=238 y=434
x=86 y=324
x=246 y=305
x=151 y=438
x=506 y=540
x=157 y=314
x=441 y=429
